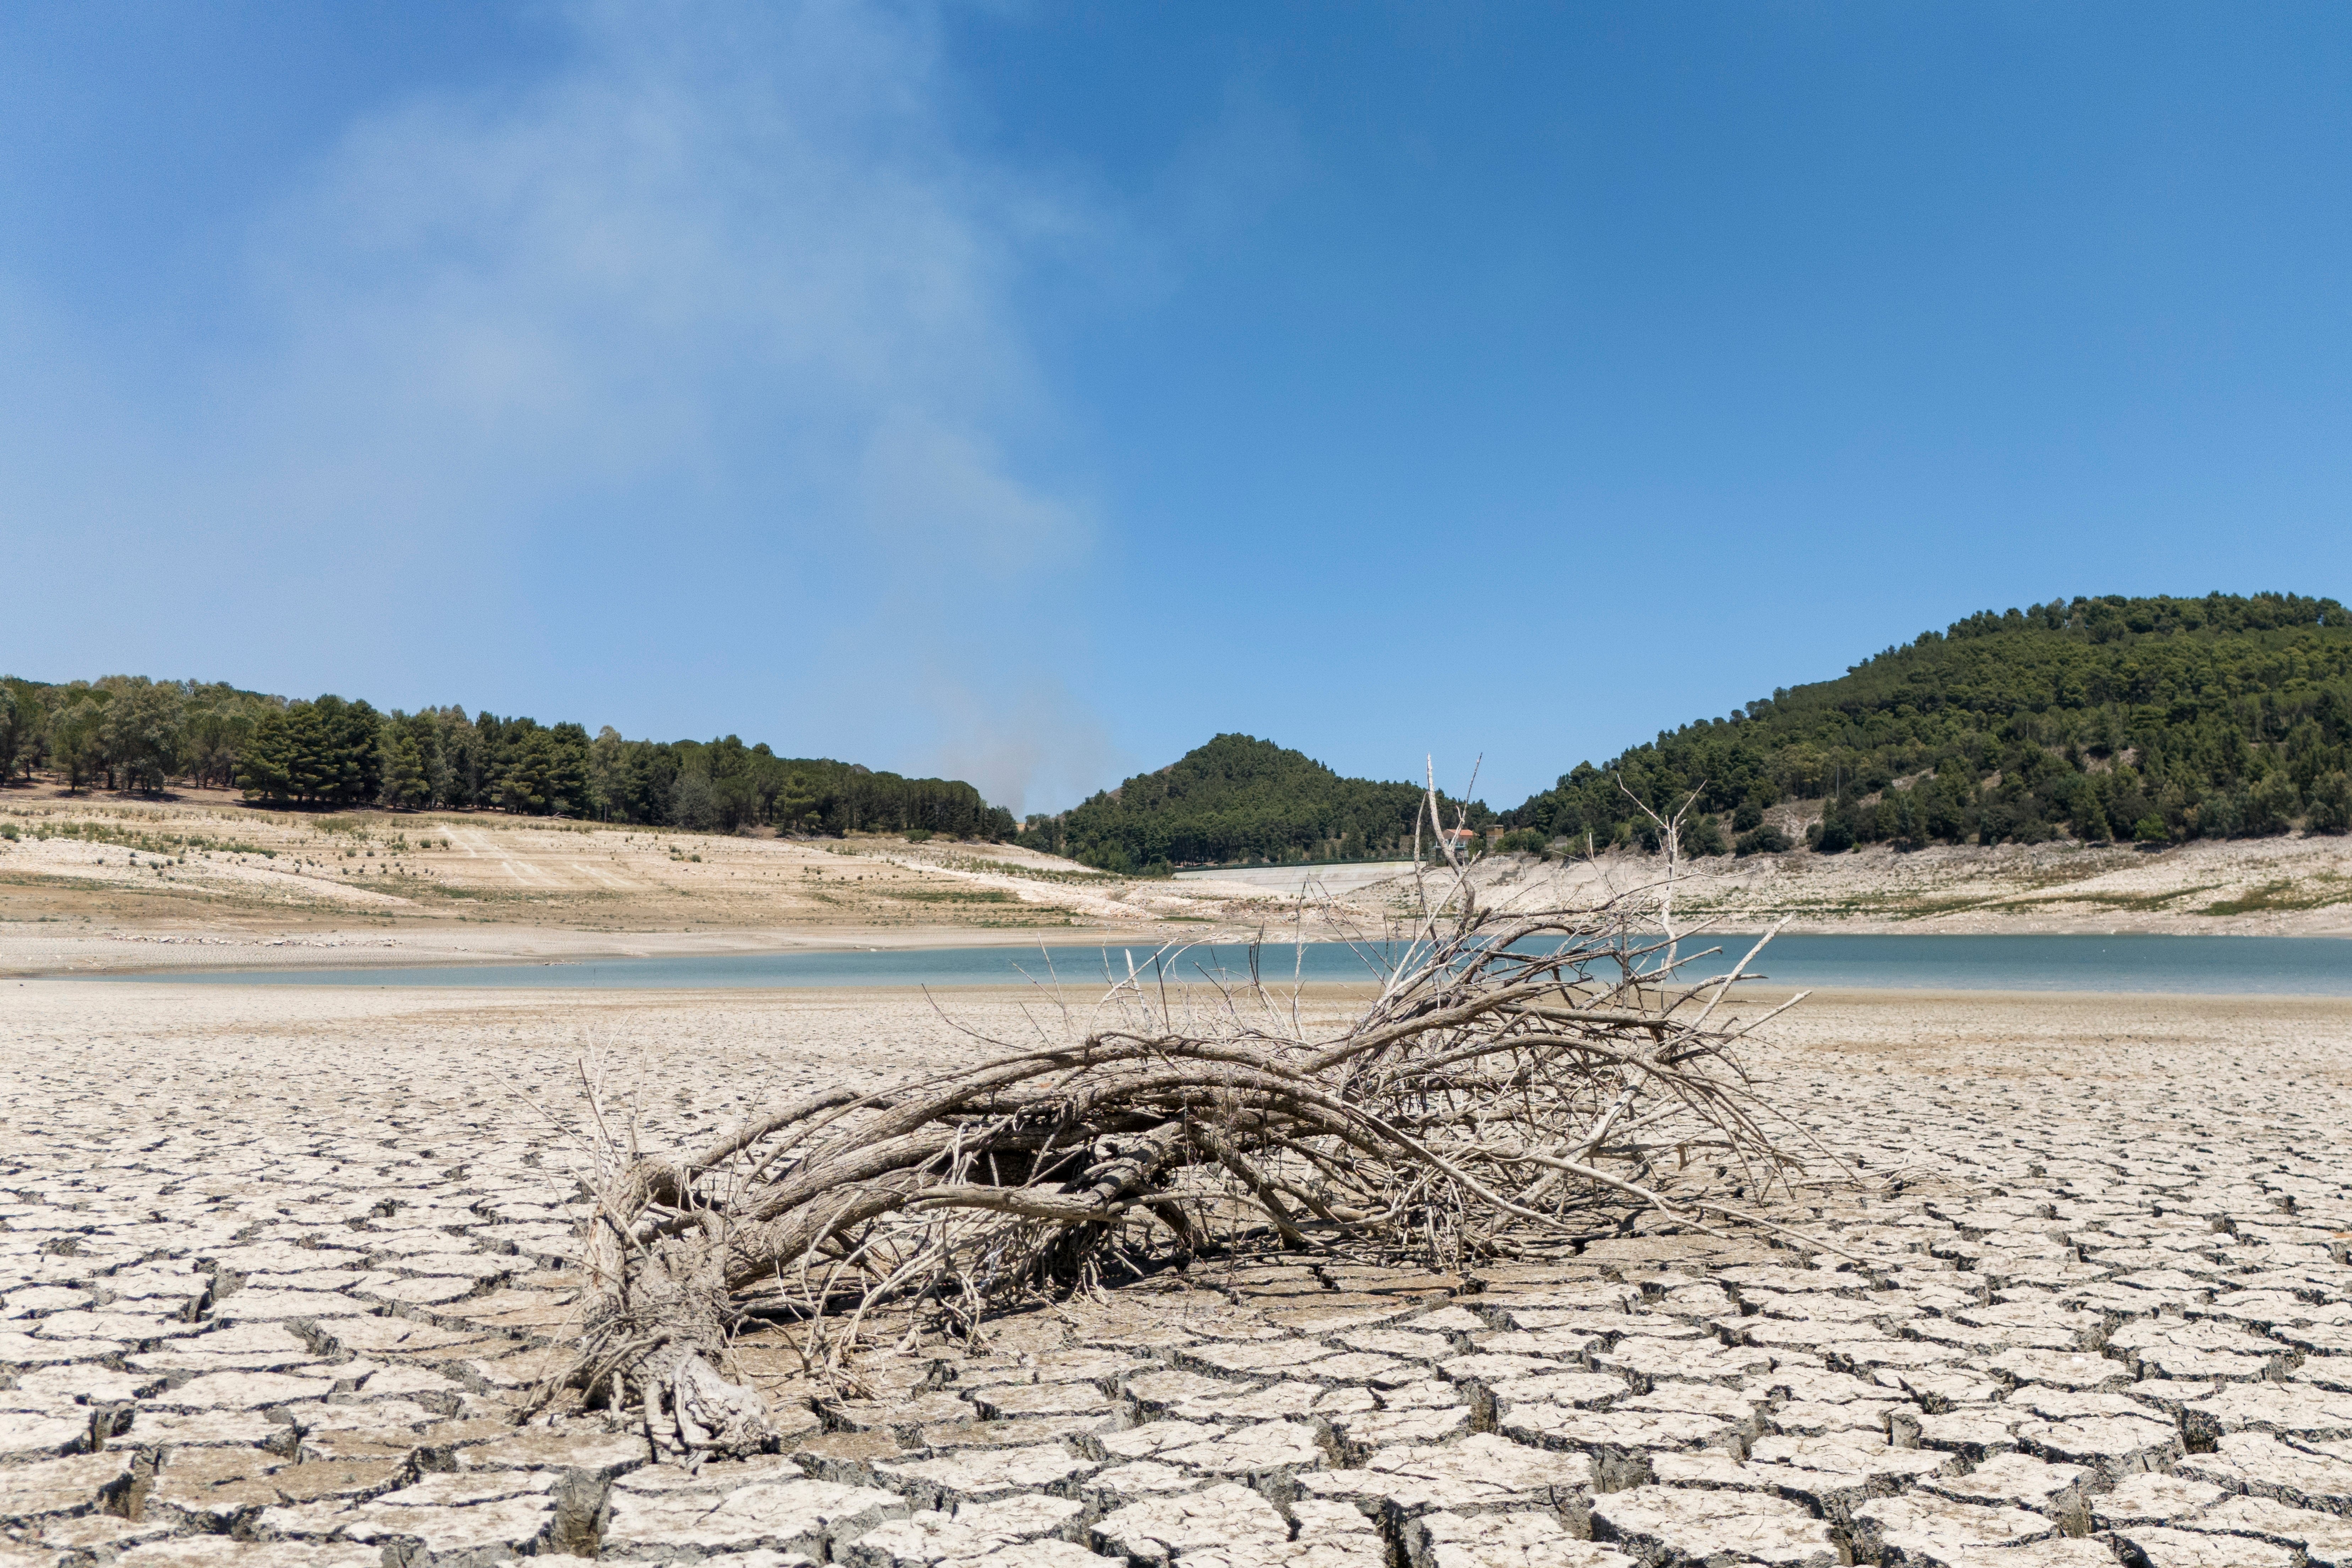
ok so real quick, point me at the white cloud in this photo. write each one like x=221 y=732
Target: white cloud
x=715 y=321
x=738 y=250
x=1041 y=746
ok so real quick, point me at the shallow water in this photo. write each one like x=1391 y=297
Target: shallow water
x=2224 y=964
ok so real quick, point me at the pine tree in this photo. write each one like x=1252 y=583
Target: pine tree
x=403 y=771
x=2274 y=803
x=265 y=768
x=2331 y=805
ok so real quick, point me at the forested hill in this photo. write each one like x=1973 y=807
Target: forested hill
x=2157 y=718
x=1235 y=799
x=129 y=732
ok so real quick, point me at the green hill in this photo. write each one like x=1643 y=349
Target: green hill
x=133 y=734
x=1235 y=800
x=2159 y=719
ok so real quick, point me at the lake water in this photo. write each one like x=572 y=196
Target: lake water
x=2282 y=965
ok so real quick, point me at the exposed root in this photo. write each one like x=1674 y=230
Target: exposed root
x=1513 y=1076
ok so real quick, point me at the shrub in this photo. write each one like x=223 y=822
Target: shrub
x=2221 y=815
x=1703 y=837
x=2331 y=805
x=1764 y=840
x=2150 y=829
x=693 y=804
x=2272 y=804
x=1835 y=836
x=1749 y=817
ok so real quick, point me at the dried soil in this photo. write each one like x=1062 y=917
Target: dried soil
x=274 y=1263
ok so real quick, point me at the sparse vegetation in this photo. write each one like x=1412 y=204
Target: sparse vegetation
x=2319 y=893
x=952 y=895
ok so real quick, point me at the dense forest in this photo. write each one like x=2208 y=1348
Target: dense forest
x=2158 y=720
x=1237 y=799
x=128 y=732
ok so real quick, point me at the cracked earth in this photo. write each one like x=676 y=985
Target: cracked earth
x=276 y=1264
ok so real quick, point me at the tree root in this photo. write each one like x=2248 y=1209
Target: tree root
x=1514 y=1076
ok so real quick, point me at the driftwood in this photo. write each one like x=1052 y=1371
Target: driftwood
x=1512 y=1075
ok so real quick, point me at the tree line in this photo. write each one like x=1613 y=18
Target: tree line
x=1237 y=800
x=2158 y=720
x=132 y=733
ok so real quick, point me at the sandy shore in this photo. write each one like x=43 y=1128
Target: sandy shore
x=2265 y=887
x=47 y=950
x=205 y=881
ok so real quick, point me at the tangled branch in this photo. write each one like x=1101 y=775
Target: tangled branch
x=1513 y=1075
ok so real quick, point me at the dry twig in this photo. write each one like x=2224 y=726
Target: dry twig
x=1515 y=1074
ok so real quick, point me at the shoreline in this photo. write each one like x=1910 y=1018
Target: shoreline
x=415 y=946
x=136 y=951
x=182 y=1009
x=1926 y=1000
x=106 y=885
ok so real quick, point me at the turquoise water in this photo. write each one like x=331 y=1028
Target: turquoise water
x=2274 y=964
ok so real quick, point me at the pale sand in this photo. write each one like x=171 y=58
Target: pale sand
x=206 y=881
x=2260 y=886
x=117 y=883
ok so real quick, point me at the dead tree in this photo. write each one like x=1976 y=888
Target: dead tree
x=1512 y=1074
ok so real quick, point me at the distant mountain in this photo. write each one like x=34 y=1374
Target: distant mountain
x=2157 y=718
x=1235 y=800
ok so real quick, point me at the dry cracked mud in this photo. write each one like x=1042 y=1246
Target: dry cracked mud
x=274 y=1265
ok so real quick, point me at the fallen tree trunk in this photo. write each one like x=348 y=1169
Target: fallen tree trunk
x=1512 y=1073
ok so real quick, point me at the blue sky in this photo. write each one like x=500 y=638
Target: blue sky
x=1028 y=392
